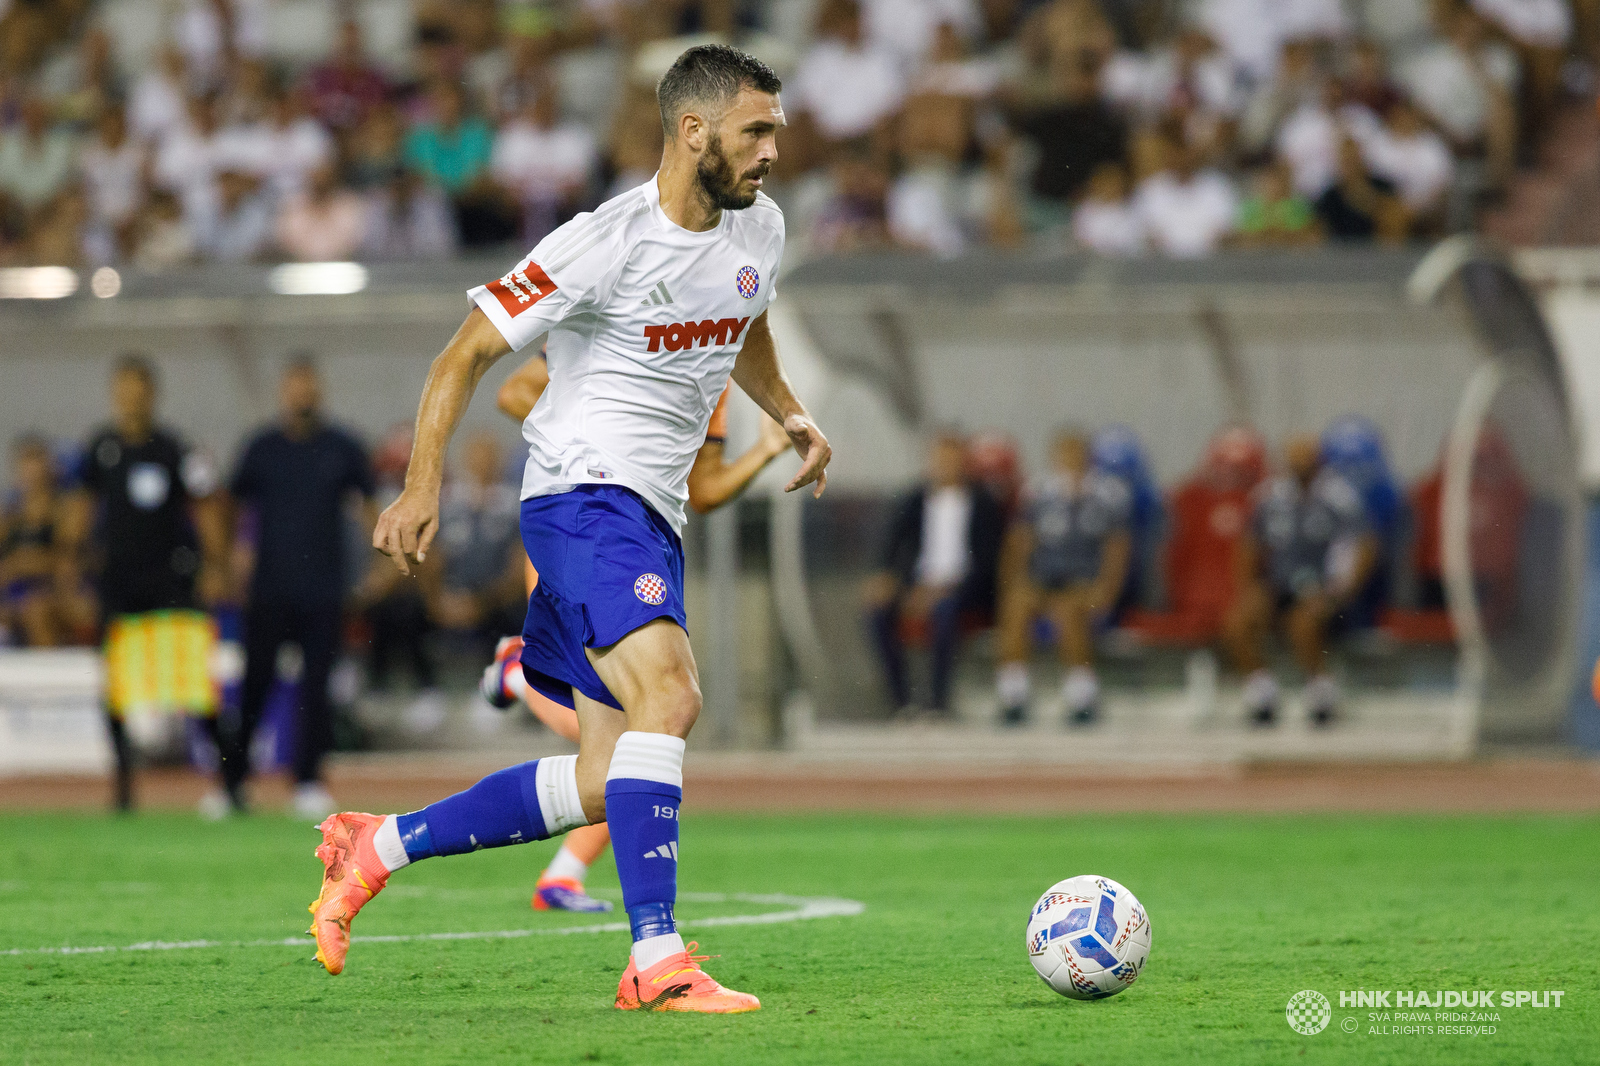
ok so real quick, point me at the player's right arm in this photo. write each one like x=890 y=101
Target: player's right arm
x=407 y=527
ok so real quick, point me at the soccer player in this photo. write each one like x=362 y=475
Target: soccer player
x=712 y=483
x=633 y=383
x=1067 y=558
x=1304 y=560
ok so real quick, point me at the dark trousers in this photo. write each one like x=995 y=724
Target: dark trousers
x=944 y=634
x=400 y=625
x=267 y=627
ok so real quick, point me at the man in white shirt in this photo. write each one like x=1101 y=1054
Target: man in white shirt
x=1186 y=210
x=846 y=83
x=649 y=303
x=938 y=561
x=546 y=163
x=1405 y=152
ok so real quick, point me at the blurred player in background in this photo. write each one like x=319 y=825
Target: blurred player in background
x=298 y=475
x=1066 y=559
x=650 y=303
x=149 y=514
x=712 y=483
x=1306 y=557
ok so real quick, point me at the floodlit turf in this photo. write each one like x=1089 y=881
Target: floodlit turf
x=1246 y=911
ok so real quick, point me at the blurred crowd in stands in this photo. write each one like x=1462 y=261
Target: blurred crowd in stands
x=1321 y=545
x=1171 y=127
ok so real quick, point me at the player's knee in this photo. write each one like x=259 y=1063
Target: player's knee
x=674 y=705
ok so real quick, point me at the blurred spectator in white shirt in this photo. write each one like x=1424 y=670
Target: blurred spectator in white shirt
x=1462 y=78
x=845 y=83
x=1309 y=139
x=156 y=106
x=162 y=237
x=931 y=204
x=408 y=219
x=241 y=229
x=1106 y=222
x=36 y=157
x=908 y=28
x=950 y=71
x=1540 y=31
x=1412 y=157
x=1186 y=210
x=1297 y=82
x=322 y=222
x=188 y=160
x=112 y=167
x=284 y=148
x=1538 y=23
x=545 y=163
x=1190 y=75
x=211 y=32
x=1253 y=32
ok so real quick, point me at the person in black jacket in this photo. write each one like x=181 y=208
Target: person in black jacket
x=298 y=475
x=939 y=562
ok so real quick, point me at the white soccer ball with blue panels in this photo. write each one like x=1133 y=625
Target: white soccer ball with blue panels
x=1088 y=937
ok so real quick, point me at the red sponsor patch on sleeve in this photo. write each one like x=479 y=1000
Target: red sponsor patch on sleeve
x=522 y=288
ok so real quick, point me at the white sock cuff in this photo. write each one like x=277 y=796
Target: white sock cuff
x=648 y=757
x=386 y=842
x=566 y=865
x=651 y=950
x=556 y=780
x=1012 y=681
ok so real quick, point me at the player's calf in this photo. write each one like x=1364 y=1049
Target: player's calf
x=533 y=801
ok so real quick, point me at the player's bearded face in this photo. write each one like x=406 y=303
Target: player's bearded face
x=727 y=190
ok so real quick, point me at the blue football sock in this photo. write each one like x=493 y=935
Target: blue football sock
x=644 y=788
x=504 y=808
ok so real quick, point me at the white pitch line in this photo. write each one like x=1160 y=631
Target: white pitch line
x=801 y=909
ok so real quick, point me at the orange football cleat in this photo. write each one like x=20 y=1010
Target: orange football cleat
x=352 y=874
x=678 y=983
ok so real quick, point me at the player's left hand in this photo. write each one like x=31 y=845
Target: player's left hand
x=813 y=448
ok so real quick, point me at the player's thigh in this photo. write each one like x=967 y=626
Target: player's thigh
x=652 y=673
x=599 y=726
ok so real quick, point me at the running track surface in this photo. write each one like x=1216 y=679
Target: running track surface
x=749 y=783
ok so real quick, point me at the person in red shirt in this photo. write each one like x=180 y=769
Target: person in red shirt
x=712 y=483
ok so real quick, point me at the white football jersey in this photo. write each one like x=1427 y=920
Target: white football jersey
x=645 y=319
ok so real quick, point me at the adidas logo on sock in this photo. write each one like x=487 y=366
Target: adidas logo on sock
x=668 y=850
x=658 y=296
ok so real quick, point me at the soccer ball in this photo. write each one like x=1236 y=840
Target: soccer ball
x=1088 y=938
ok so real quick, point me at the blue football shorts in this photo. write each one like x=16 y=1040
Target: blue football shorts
x=608 y=563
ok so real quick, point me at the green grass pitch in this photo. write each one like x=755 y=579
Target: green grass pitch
x=1246 y=911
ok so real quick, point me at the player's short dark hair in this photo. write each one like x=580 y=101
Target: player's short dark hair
x=303 y=361
x=137 y=364
x=710 y=75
